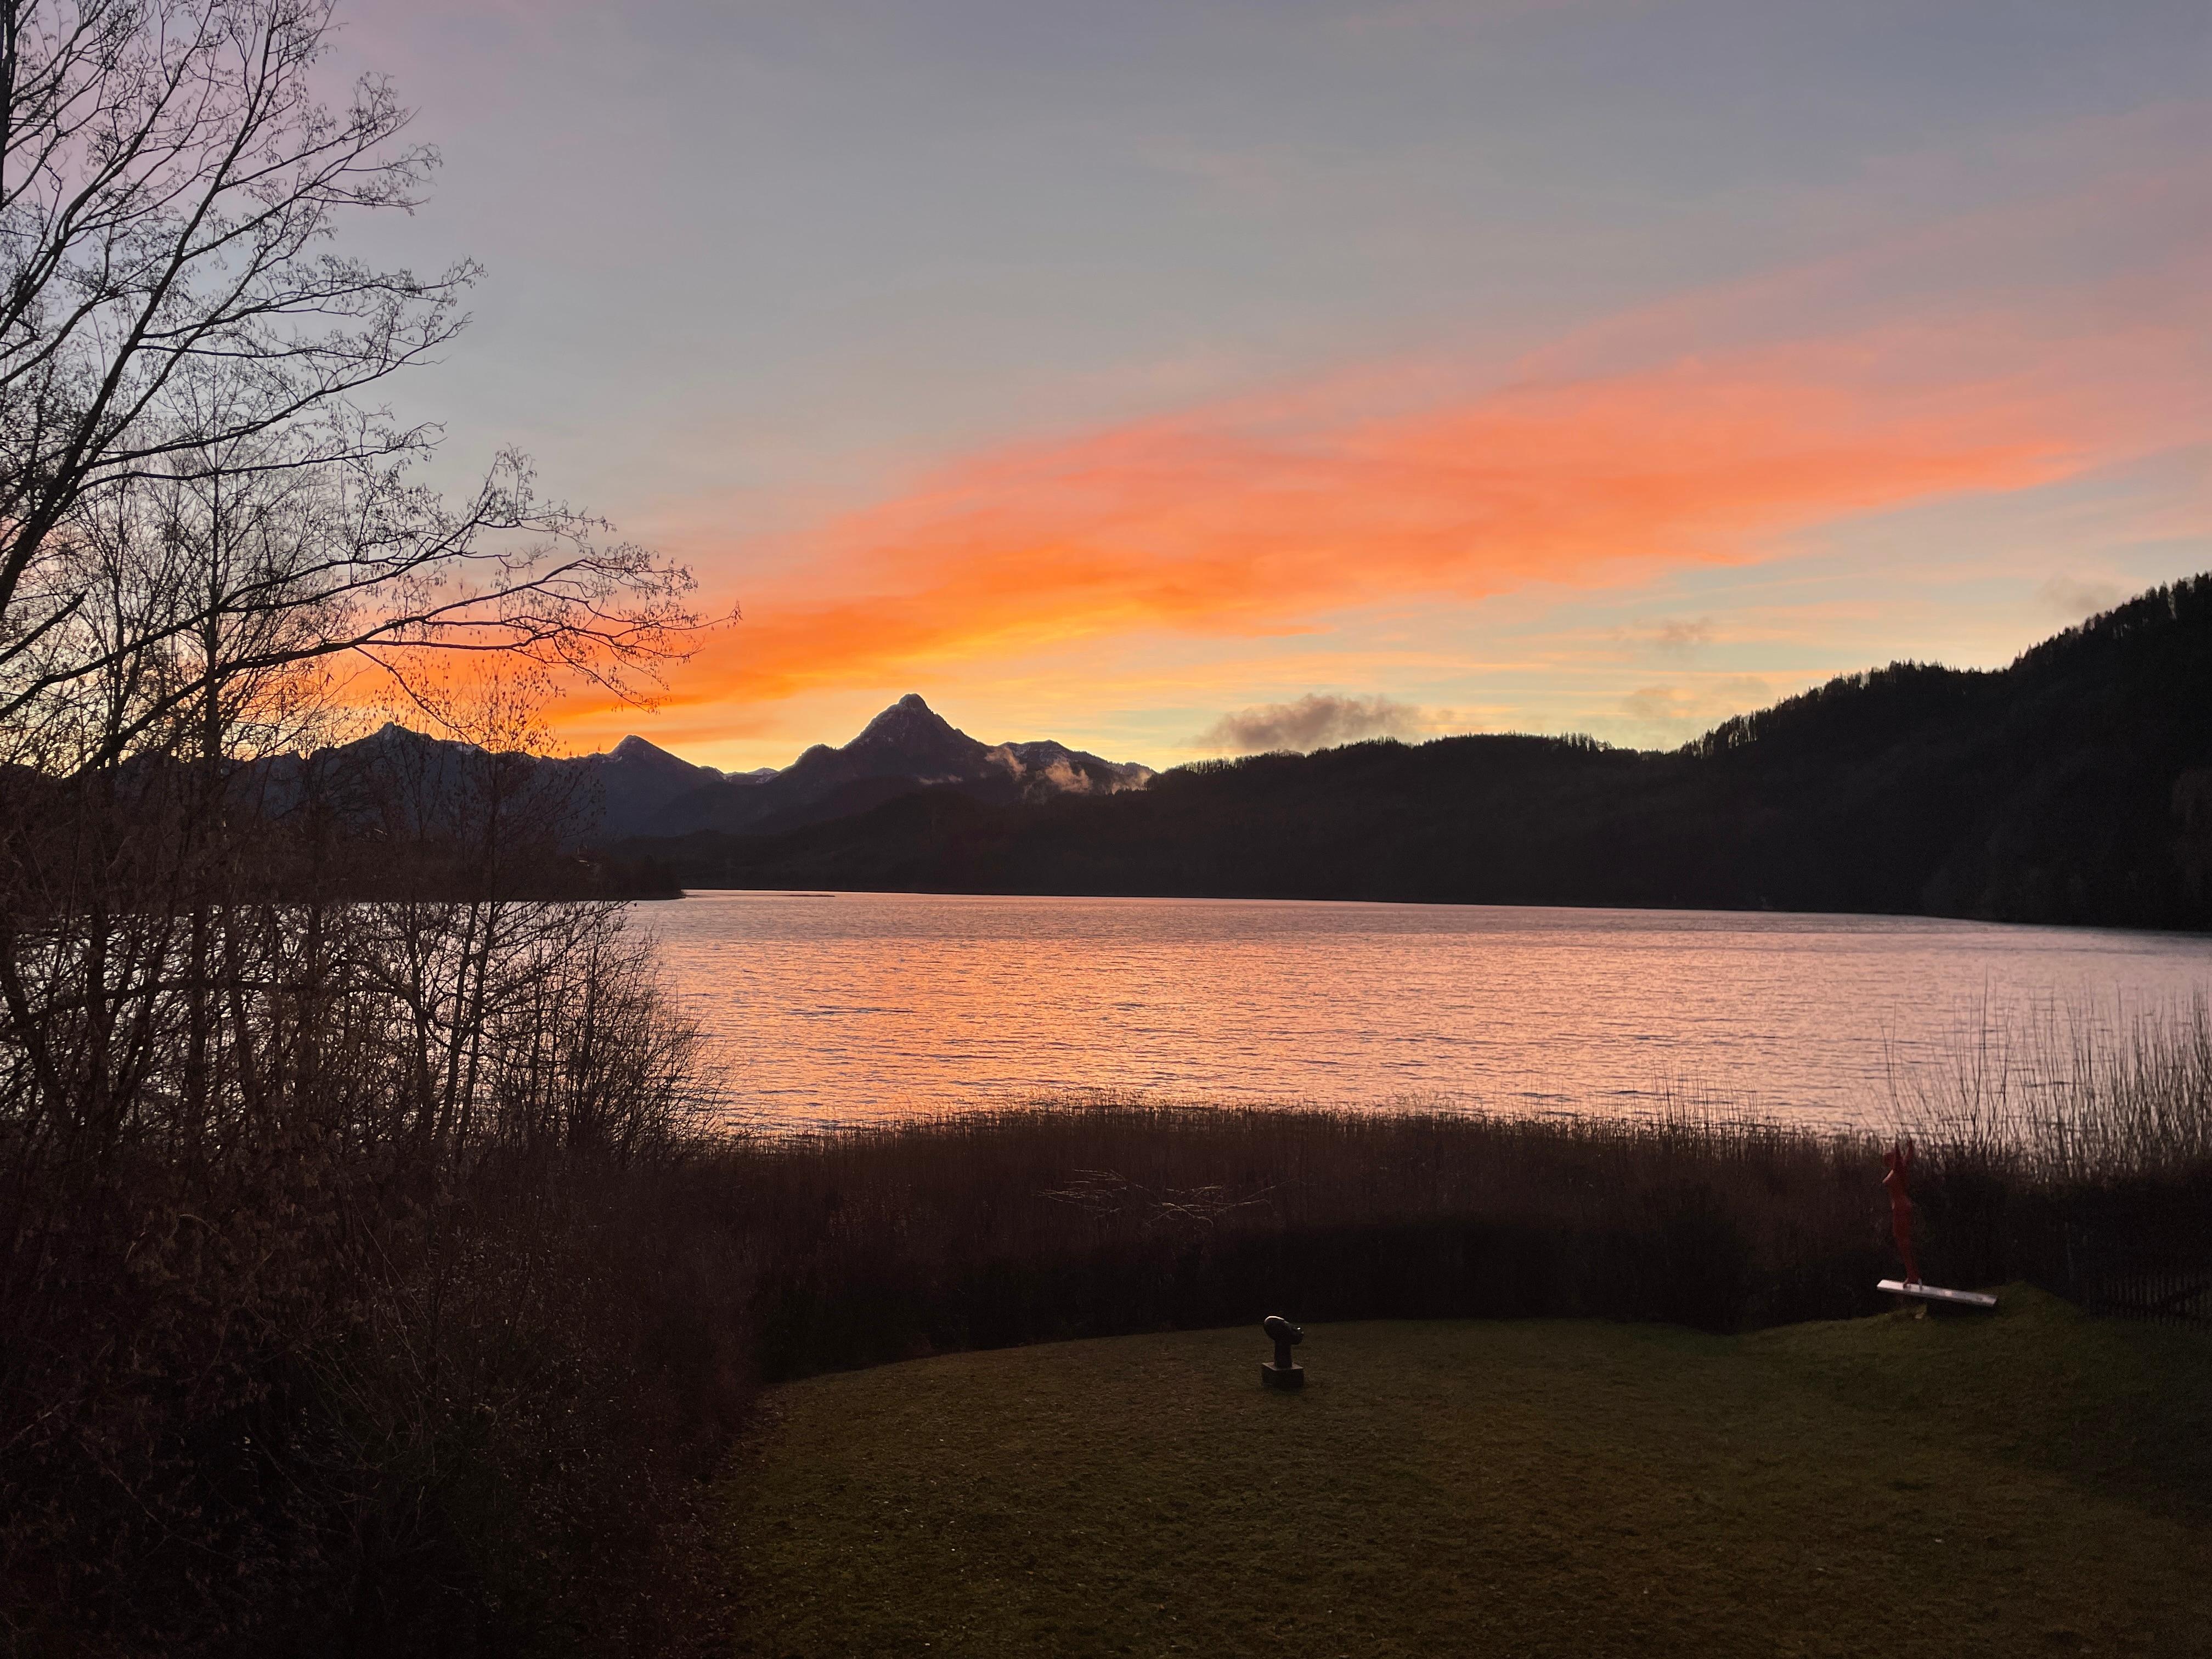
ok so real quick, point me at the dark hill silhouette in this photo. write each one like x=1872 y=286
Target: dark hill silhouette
x=627 y=790
x=639 y=789
x=2073 y=786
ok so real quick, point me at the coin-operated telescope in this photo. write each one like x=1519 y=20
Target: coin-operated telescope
x=1285 y=1372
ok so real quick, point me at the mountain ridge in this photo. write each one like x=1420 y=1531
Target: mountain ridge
x=908 y=746
x=2073 y=785
x=638 y=787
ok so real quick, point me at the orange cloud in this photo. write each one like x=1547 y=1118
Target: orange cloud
x=1258 y=518
x=1703 y=430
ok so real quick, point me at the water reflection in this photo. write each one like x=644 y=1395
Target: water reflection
x=836 y=1008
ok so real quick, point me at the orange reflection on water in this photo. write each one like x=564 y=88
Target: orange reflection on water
x=855 y=1007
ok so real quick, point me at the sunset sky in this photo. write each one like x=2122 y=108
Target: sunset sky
x=1175 y=378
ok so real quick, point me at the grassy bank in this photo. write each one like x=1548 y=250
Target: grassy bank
x=2034 y=1482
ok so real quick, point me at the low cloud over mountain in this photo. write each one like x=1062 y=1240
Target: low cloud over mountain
x=1316 y=721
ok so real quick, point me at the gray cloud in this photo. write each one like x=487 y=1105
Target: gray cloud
x=1670 y=714
x=2072 y=601
x=1653 y=705
x=1681 y=636
x=1316 y=721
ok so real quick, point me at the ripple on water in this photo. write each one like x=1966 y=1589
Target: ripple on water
x=846 y=1007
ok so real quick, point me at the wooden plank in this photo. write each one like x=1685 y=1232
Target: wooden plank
x=1937 y=1293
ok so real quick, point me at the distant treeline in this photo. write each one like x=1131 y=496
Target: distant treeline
x=332 y=827
x=2073 y=786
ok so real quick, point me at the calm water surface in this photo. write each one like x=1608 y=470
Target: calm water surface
x=840 y=1008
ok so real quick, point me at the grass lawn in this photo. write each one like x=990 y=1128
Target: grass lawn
x=2033 y=1482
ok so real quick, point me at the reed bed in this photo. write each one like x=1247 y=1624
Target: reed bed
x=2075 y=1096
x=1109 y=1216
x=2074 y=1148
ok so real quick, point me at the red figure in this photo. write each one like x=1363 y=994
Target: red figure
x=1898 y=1163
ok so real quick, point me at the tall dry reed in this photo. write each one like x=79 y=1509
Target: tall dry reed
x=2069 y=1096
x=2074 y=1146
x=1048 y=1221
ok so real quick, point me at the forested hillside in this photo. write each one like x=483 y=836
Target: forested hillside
x=2073 y=786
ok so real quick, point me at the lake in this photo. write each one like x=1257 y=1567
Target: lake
x=840 y=1008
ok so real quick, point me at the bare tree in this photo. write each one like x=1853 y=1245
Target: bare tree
x=193 y=487
x=252 y=1115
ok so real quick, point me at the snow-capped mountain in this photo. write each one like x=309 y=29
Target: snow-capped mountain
x=908 y=746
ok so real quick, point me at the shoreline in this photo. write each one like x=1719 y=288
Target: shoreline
x=2068 y=927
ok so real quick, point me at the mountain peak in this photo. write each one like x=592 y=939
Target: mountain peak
x=909 y=708
x=642 y=756
x=906 y=721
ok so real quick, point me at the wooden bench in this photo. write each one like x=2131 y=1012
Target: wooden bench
x=1937 y=1294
